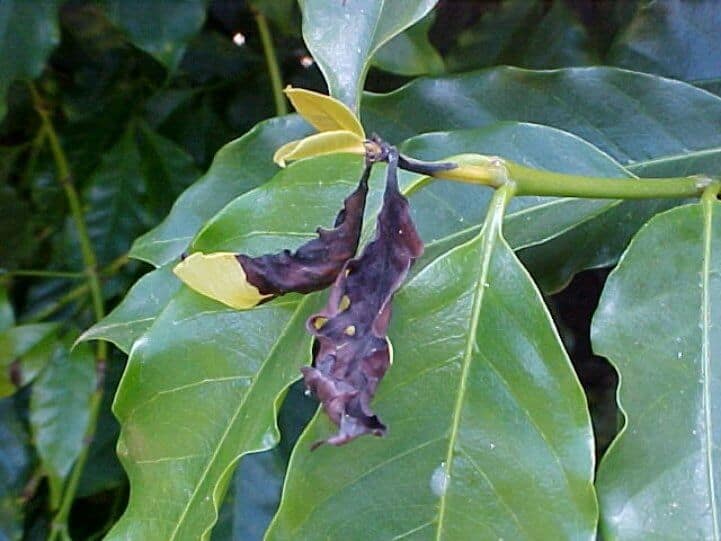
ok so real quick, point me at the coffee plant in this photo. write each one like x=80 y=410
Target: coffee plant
x=470 y=289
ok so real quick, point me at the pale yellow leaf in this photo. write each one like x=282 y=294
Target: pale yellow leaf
x=323 y=112
x=328 y=142
x=220 y=277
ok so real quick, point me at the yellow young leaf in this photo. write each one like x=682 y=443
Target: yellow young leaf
x=220 y=277
x=323 y=112
x=328 y=142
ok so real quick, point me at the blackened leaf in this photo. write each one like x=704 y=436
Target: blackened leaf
x=352 y=349
x=240 y=281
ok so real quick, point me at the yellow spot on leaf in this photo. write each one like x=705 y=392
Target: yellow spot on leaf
x=221 y=277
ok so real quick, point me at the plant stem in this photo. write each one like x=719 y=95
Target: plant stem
x=281 y=108
x=496 y=172
x=45 y=274
x=60 y=521
x=74 y=293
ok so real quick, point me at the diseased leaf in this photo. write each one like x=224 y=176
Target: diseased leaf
x=161 y=28
x=344 y=36
x=490 y=405
x=352 y=352
x=657 y=323
x=672 y=38
x=410 y=53
x=238 y=167
x=24 y=350
x=60 y=410
x=29 y=31
x=241 y=281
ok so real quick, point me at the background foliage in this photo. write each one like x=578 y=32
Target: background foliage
x=159 y=120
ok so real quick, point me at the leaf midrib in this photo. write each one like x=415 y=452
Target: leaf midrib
x=707 y=204
x=489 y=237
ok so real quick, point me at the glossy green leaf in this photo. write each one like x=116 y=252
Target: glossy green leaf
x=254 y=493
x=344 y=36
x=60 y=410
x=634 y=117
x=524 y=33
x=233 y=363
x=167 y=169
x=14 y=470
x=657 y=322
x=490 y=405
x=672 y=38
x=137 y=311
x=133 y=187
x=410 y=53
x=29 y=31
x=161 y=28
x=24 y=350
x=238 y=167
x=116 y=189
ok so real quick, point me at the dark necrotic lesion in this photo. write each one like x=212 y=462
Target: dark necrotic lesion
x=316 y=264
x=352 y=352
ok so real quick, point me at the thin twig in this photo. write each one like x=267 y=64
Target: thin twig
x=276 y=81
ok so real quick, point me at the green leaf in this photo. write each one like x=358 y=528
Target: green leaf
x=115 y=194
x=238 y=167
x=282 y=13
x=29 y=31
x=234 y=363
x=633 y=117
x=162 y=28
x=410 y=53
x=60 y=410
x=166 y=167
x=344 y=36
x=491 y=405
x=526 y=34
x=137 y=311
x=254 y=493
x=134 y=185
x=14 y=470
x=657 y=323
x=672 y=38
x=557 y=236
x=24 y=351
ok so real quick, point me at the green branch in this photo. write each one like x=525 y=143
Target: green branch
x=496 y=172
x=59 y=526
x=276 y=81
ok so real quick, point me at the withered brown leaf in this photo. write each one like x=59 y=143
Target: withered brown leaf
x=351 y=352
x=317 y=263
